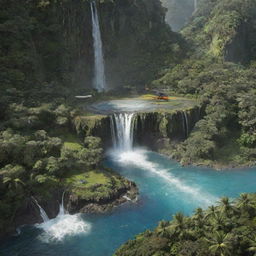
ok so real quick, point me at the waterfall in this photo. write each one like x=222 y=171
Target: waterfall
x=62 y=225
x=42 y=212
x=62 y=208
x=185 y=124
x=122 y=128
x=99 y=69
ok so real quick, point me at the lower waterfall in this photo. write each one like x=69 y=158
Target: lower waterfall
x=185 y=124
x=43 y=214
x=63 y=225
x=122 y=129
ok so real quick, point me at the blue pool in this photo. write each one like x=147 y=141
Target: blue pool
x=165 y=188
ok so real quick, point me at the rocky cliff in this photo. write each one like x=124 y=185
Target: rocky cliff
x=151 y=129
x=50 y=42
x=224 y=29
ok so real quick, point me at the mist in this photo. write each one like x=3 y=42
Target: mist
x=178 y=12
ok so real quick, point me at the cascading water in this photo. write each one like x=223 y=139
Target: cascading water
x=185 y=123
x=42 y=211
x=99 y=69
x=122 y=128
x=62 y=208
x=61 y=226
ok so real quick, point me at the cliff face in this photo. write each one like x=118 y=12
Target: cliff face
x=51 y=42
x=135 y=40
x=158 y=128
x=151 y=129
x=224 y=29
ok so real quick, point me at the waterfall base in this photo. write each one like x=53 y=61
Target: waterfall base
x=62 y=226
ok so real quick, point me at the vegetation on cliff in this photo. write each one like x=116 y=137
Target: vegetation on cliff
x=225 y=229
x=41 y=155
x=48 y=44
x=220 y=31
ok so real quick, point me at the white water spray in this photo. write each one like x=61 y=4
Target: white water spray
x=63 y=225
x=122 y=128
x=99 y=69
x=139 y=159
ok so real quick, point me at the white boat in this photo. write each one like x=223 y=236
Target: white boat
x=83 y=97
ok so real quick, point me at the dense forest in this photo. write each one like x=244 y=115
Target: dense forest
x=226 y=229
x=46 y=56
x=220 y=72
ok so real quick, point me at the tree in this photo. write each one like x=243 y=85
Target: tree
x=245 y=204
x=211 y=212
x=226 y=206
x=219 y=244
x=178 y=226
x=252 y=247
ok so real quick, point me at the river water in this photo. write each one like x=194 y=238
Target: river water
x=165 y=188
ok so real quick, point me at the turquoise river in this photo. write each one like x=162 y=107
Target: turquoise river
x=165 y=188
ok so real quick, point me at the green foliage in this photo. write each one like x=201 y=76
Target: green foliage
x=227 y=229
x=95 y=186
x=224 y=29
x=30 y=164
x=226 y=91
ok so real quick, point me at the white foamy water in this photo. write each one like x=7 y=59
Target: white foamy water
x=122 y=127
x=62 y=226
x=138 y=158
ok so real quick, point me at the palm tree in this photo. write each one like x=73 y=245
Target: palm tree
x=211 y=212
x=178 y=226
x=198 y=218
x=219 y=221
x=199 y=214
x=12 y=183
x=226 y=206
x=244 y=203
x=252 y=247
x=220 y=244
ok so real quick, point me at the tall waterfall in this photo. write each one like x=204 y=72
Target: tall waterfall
x=122 y=128
x=99 y=69
x=42 y=211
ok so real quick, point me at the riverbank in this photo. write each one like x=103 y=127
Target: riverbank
x=164 y=186
x=228 y=157
x=163 y=127
x=94 y=192
x=189 y=236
